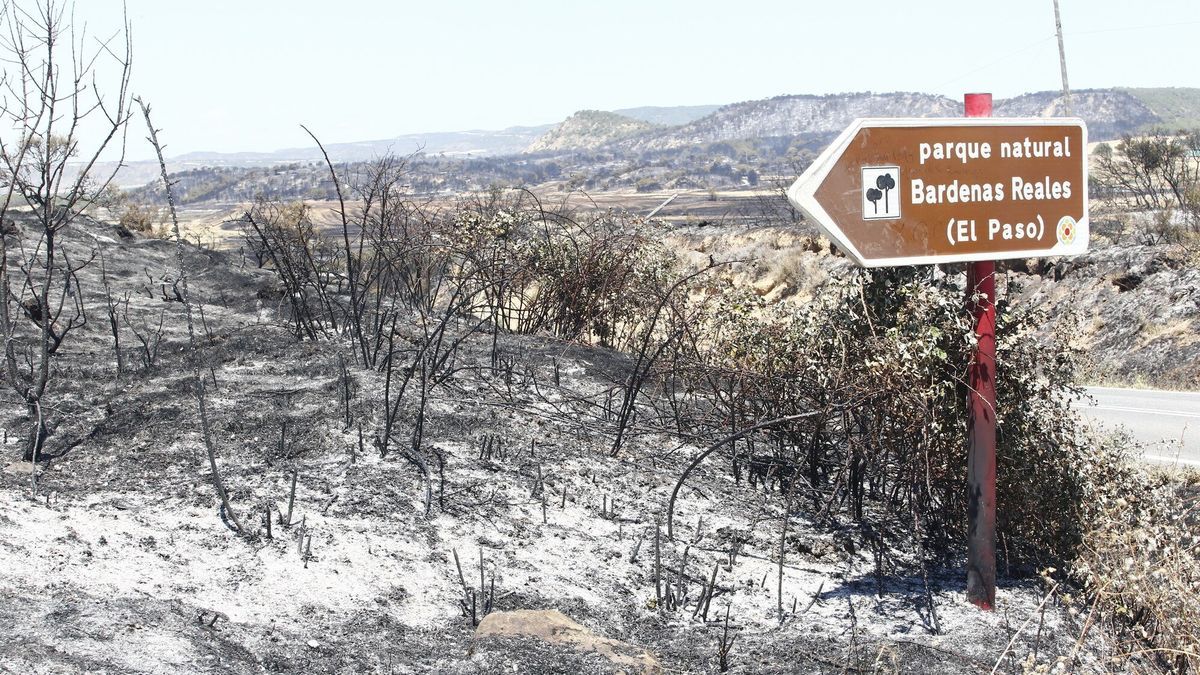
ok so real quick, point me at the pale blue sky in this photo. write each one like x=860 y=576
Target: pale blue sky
x=226 y=75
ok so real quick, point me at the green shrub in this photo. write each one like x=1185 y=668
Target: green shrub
x=140 y=218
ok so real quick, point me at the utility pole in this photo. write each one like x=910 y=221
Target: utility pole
x=1062 y=58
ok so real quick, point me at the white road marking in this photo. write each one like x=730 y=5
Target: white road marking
x=1135 y=392
x=1163 y=423
x=1146 y=411
x=1172 y=460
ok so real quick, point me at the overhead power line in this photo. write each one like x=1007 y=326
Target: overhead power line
x=1125 y=28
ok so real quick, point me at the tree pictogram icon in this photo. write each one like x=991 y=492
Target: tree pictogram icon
x=874 y=196
x=884 y=182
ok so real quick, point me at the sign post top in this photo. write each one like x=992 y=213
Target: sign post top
x=912 y=191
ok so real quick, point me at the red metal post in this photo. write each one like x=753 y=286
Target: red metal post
x=981 y=417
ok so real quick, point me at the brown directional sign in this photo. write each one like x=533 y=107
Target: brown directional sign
x=921 y=191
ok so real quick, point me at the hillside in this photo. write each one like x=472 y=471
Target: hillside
x=1133 y=310
x=1175 y=107
x=588 y=129
x=1109 y=113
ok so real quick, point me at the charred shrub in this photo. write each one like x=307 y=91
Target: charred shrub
x=882 y=359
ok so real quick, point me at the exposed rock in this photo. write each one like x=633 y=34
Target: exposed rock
x=555 y=628
x=1134 y=310
x=20 y=468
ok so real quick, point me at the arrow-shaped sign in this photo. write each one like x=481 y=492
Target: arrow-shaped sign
x=921 y=191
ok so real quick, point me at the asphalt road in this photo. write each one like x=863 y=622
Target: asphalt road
x=1167 y=423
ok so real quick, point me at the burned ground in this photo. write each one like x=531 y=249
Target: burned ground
x=124 y=560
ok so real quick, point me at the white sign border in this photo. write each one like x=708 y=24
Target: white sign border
x=802 y=193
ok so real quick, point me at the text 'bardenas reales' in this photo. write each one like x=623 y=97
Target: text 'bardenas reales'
x=1018 y=188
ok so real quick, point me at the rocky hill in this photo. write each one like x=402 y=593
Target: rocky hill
x=588 y=129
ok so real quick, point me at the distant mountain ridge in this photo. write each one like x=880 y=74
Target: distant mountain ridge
x=795 y=116
x=503 y=142
x=508 y=141
x=1110 y=113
